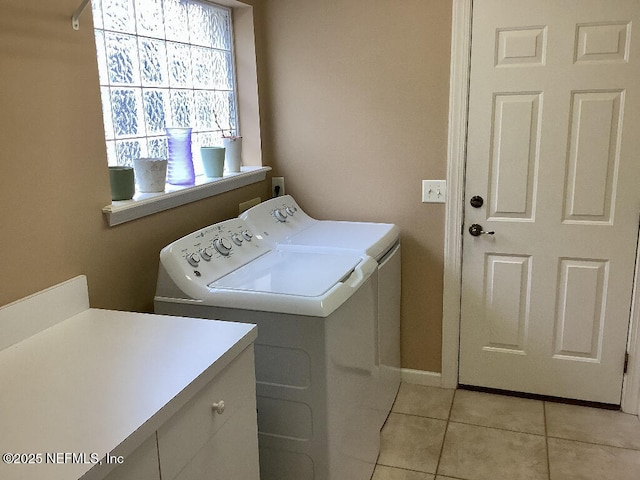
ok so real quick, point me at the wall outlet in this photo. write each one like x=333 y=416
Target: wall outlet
x=277 y=186
x=434 y=191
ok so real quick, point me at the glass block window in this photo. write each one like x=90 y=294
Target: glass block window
x=164 y=63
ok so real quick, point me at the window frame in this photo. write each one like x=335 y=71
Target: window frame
x=248 y=119
x=209 y=103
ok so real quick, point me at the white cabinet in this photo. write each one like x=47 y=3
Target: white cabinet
x=230 y=454
x=202 y=440
x=127 y=382
x=142 y=464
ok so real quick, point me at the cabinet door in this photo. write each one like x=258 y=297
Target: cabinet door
x=191 y=430
x=231 y=454
x=142 y=464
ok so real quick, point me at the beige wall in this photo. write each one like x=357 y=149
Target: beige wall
x=356 y=116
x=54 y=179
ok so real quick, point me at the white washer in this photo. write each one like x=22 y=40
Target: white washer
x=315 y=351
x=286 y=227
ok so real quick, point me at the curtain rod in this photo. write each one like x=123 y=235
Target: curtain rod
x=75 y=20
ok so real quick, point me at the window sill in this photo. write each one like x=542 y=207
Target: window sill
x=144 y=204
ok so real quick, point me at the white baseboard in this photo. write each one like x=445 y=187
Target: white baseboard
x=421 y=377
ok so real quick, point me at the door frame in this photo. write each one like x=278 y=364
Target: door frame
x=454 y=218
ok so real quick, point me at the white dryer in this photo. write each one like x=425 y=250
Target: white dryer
x=315 y=351
x=286 y=227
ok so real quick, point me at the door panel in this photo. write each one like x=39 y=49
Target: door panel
x=604 y=42
x=521 y=46
x=594 y=153
x=507 y=302
x=514 y=155
x=554 y=116
x=580 y=311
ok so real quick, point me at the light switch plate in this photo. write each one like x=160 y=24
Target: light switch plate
x=434 y=191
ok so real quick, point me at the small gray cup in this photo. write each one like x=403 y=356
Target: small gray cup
x=122 y=183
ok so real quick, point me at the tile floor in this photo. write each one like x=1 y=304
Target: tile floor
x=438 y=434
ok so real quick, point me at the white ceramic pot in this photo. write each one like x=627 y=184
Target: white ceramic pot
x=151 y=174
x=232 y=153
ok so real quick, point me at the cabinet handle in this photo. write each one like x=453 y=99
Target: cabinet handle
x=218 y=407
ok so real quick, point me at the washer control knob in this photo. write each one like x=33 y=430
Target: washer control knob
x=206 y=253
x=222 y=245
x=237 y=239
x=193 y=259
x=291 y=210
x=247 y=235
x=280 y=215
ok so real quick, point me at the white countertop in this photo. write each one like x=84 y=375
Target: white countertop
x=101 y=382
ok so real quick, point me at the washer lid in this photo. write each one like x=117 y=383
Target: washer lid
x=290 y=273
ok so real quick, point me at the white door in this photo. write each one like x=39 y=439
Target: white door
x=554 y=152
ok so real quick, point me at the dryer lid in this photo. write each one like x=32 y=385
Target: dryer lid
x=301 y=274
x=373 y=239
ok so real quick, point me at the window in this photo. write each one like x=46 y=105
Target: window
x=164 y=63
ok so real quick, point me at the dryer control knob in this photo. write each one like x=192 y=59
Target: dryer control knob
x=222 y=245
x=237 y=239
x=291 y=210
x=206 y=253
x=280 y=215
x=247 y=235
x=193 y=259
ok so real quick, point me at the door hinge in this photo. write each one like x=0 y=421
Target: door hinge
x=626 y=362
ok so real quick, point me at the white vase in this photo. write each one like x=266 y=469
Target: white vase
x=151 y=174
x=232 y=153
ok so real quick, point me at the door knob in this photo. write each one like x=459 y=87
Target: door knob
x=476 y=230
x=218 y=407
